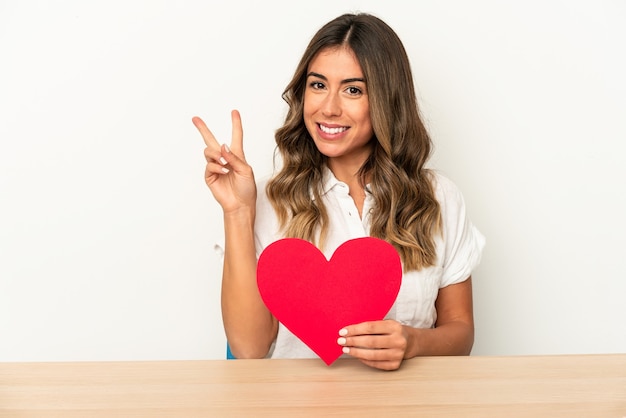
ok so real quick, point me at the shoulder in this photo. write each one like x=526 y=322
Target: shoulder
x=446 y=191
x=451 y=204
x=263 y=204
x=462 y=242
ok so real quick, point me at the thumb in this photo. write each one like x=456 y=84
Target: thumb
x=237 y=164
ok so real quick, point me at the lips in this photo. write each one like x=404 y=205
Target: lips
x=331 y=130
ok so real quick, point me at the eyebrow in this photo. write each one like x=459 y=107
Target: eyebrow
x=347 y=80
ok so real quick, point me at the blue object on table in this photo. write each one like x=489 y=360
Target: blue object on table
x=229 y=355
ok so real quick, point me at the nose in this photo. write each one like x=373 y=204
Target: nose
x=331 y=105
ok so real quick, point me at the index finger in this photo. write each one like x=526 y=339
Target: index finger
x=207 y=135
x=236 y=143
x=366 y=328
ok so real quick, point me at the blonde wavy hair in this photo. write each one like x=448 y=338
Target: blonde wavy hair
x=405 y=211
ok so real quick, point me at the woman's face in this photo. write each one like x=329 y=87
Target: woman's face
x=336 y=107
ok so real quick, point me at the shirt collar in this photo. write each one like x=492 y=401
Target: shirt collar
x=329 y=181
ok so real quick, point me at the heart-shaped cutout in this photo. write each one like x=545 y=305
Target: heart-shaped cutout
x=314 y=297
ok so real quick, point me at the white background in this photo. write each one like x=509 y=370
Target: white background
x=106 y=225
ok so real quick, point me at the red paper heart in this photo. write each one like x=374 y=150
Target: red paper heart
x=314 y=297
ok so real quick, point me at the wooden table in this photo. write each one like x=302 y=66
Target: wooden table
x=530 y=386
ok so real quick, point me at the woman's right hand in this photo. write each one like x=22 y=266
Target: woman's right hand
x=227 y=173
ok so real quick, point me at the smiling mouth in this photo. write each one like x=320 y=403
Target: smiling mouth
x=332 y=131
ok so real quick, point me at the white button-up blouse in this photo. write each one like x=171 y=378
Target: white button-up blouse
x=458 y=252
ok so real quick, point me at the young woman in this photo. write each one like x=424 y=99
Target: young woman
x=353 y=151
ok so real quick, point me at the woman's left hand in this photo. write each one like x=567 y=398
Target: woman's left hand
x=379 y=344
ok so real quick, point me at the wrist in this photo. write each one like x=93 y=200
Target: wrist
x=244 y=214
x=239 y=226
x=412 y=341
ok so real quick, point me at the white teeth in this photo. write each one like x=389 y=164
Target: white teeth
x=332 y=131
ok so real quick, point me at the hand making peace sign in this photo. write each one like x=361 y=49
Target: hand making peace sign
x=227 y=173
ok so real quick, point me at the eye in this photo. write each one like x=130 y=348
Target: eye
x=316 y=85
x=354 y=91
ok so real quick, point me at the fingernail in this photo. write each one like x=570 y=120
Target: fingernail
x=223 y=161
x=343 y=332
x=341 y=341
x=227 y=148
x=225 y=170
x=346 y=350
